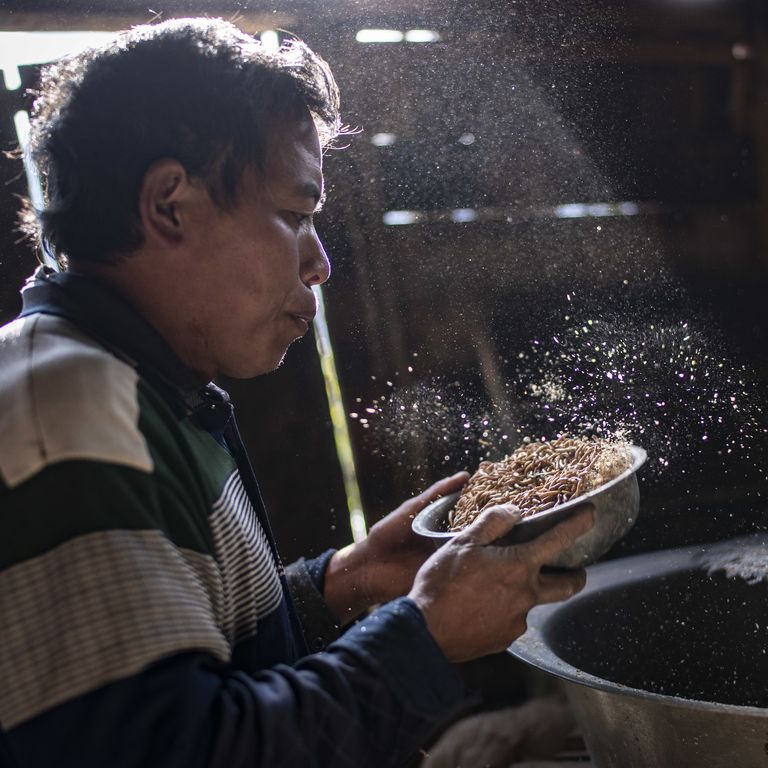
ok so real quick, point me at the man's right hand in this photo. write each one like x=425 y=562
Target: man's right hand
x=475 y=595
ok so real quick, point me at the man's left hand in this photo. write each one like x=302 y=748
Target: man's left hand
x=383 y=565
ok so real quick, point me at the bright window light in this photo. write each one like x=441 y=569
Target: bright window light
x=571 y=211
x=379 y=36
x=383 y=139
x=24 y=48
x=21 y=121
x=596 y=210
x=460 y=215
x=565 y=211
x=421 y=36
x=18 y=48
x=602 y=209
x=338 y=419
x=11 y=77
x=741 y=51
x=34 y=188
x=270 y=40
x=629 y=209
x=27 y=48
x=399 y=218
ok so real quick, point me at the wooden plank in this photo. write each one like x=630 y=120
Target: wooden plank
x=760 y=131
x=14 y=21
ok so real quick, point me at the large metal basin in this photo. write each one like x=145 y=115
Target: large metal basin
x=665 y=657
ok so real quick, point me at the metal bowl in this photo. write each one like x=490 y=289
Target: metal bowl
x=616 y=503
x=663 y=656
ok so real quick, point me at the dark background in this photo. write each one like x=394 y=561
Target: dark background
x=441 y=324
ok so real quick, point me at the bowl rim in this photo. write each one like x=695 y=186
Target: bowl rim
x=532 y=649
x=639 y=457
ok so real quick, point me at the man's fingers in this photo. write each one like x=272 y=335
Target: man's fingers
x=440 y=488
x=551 y=543
x=554 y=587
x=491 y=524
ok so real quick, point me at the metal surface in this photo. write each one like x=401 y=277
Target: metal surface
x=665 y=657
x=616 y=503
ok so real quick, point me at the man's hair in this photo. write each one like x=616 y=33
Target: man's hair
x=197 y=90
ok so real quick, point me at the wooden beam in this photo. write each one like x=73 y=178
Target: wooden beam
x=639 y=51
x=760 y=133
x=12 y=21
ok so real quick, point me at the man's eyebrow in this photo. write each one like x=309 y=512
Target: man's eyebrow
x=310 y=189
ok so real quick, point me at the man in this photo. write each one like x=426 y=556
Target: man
x=146 y=619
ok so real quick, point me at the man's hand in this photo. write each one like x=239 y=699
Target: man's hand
x=535 y=731
x=383 y=566
x=475 y=595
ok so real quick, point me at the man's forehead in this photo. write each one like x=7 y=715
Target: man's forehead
x=295 y=160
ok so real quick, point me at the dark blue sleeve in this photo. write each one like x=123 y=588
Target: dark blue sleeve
x=317 y=567
x=370 y=700
x=306 y=582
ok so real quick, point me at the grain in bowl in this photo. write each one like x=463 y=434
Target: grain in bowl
x=540 y=476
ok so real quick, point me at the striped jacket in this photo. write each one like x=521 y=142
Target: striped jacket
x=145 y=618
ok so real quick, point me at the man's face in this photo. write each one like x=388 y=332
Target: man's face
x=258 y=262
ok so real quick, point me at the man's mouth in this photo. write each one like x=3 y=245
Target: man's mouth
x=303 y=320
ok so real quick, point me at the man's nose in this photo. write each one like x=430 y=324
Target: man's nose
x=315 y=267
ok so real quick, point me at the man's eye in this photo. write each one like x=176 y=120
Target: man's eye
x=302 y=217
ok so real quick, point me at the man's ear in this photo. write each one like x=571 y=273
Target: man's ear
x=163 y=198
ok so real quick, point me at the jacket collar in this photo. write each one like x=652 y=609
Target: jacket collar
x=107 y=316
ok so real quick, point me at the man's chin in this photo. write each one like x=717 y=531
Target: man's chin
x=248 y=369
